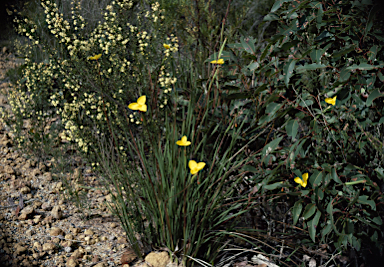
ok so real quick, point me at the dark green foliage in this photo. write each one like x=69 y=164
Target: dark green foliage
x=322 y=50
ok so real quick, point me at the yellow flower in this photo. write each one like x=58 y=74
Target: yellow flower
x=95 y=57
x=183 y=142
x=219 y=61
x=166 y=46
x=139 y=105
x=331 y=101
x=195 y=167
x=303 y=182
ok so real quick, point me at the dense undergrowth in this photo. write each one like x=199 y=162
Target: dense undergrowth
x=221 y=127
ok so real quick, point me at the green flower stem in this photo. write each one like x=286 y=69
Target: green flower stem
x=355 y=182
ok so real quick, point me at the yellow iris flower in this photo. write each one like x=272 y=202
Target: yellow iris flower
x=303 y=182
x=195 y=167
x=183 y=142
x=219 y=61
x=139 y=105
x=95 y=57
x=331 y=101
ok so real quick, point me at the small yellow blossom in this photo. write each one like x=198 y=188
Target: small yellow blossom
x=195 y=167
x=139 y=105
x=303 y=182
x=183 y=142
x=219 y=61
x=331 y=101
x=95 y=57
x=166 y=46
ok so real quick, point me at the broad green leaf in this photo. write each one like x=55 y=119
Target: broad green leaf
x=292 y=128
x=296 y=211
x=344 y=51
x=364 y=200
x=288 y=45
x=312 y=66
x=299 y=147
x=316 y=55
x=377 y=220
x=273 y=186
x=312 y=225
x=316 y=178
x=330 y=208
x=288 y=71
x=372 y=53
x=253 y=66
x=344 y=75
x=356 y=243
x=324 y=34
x=309 y=210
x=335 y=177
x=319 y=193
x=374 y=237
x=349 y=228
x=381 y=76
x=248 y=45
x=364 y=66
x=271 y=17
x=277 y=5
x=271 y=146
x=372 y=96
x=327 y=229
x=249 y=168
x=272 y=108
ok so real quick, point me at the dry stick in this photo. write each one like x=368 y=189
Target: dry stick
x=16 y=205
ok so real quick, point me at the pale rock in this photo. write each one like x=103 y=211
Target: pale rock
x=54 y=231
x=20 y=249
x=77 y=254
x=100 y=265
x=71 y=262
x=46 y=206
x=88 y=232
x=25 y=190
x=37 y=219
x=47 y=176
x=57 y=212
x=8 y=169
x=26 y=212
x=37 y=204
x=68 y=236
x=158 y=259
x=37 y=245
x=48 y=246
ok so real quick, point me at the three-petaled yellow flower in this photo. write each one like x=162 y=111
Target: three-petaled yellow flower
x=95 y=57
x=195 y=167
x=219 y=61
x=331 y=101
x=166 y=46
x=303 y=182
x=139 y=105
x=183 y=141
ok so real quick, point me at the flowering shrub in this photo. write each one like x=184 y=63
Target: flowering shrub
x=90 y=84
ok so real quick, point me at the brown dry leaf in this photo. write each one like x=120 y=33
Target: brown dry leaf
x=128 y=256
